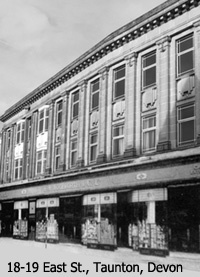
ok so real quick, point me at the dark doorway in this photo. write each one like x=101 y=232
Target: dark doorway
x=184 y=219
x=7 y=219
x=70 y=219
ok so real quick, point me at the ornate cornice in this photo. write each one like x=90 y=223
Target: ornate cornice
x=131 y=31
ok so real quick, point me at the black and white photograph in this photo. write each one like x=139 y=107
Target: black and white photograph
x=99 y=138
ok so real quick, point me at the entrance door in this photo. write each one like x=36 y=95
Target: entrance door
x=70 y=219
x=7 y=219
x=184 y=219
x=123 y=219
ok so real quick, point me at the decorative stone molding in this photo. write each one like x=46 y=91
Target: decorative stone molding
x=82 y=85
x=131 y=58
x=163 y=43
x=103 y=72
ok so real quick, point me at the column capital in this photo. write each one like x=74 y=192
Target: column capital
x=163 y=43
x=103 y=72
x=82 y=84
x=131 y=58
x=65 y=93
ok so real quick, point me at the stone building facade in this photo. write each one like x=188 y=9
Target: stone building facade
x=106 y=152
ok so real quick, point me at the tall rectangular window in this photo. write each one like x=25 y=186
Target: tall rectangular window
x=185 y=59
x=93 y=147
x=8 y=139
x=18 y=169
x=74 y=153
x=186 y=124
x=118 y=140
x=43 y=120
x=29 y=123
x=59 y=113
x=20 y=132
x=149 y=70
x=95 y=95
x=75 y=104
x=57 y=157
x=119 y=82
x=149 y=133
x=41 y=159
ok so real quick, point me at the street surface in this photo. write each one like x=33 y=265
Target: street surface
x=30 y=258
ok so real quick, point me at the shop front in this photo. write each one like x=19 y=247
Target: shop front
x=184 y=218
x=47 y=211
x=20 y=225
x=99 y=221
x=147 y=230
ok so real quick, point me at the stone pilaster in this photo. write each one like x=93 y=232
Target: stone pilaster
x=163 y=90
x=32 y=166
x=50 y=144
x=81 y=122
x=65 y=107
x=102 y=114
x=130 y=97
x=197 y=76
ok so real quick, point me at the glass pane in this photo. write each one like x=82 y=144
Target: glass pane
x=149 y=76
x=93 y=138
x=187 y=131
x=118 y=146
x=120 y=73
x=185 y=62
x=41 y=126
x=118 y=131
x=95 y=100
x=149 y=60
x=39 y=166
x=75 y=110
x=74 y=145
x=95 y=86
x=74 y=158
x=186 y=112
x=119 y=88
x=41 y=114
x=46 y=123
x=93 y=153
x=185 y=44
x=76 y=97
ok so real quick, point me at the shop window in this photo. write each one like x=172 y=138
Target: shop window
x=149 y=70
x=18 y=169
x=75 y=104
x=185 y=49
x=43 y=120
x=149 y=133
x=41 y=162
x=93 y=147
x=20 y=132
x=119 y=82
x=59 y=108
x=95 y=95
x=186 y=124
x=57 y=157
x=118 y=140
x=73 y=153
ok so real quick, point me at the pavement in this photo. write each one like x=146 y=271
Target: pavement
x=36 y=258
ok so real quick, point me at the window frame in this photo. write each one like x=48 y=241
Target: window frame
x=18 y=169
x=44 y=121
x=93 y=146
x=74 y=104
x=93 y=93
x=42 y=160
x=59 y=112
x=144 y=69
x=147 y=131
x=20 y=132
x=181 y=121
x=118 y=80
x=73 y=151
x=118 y=138
x=179 y=54
x=57 y=157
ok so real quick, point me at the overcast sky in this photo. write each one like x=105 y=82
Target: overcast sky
x=40 y=37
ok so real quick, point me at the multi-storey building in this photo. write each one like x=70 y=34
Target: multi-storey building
x=107 y=151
